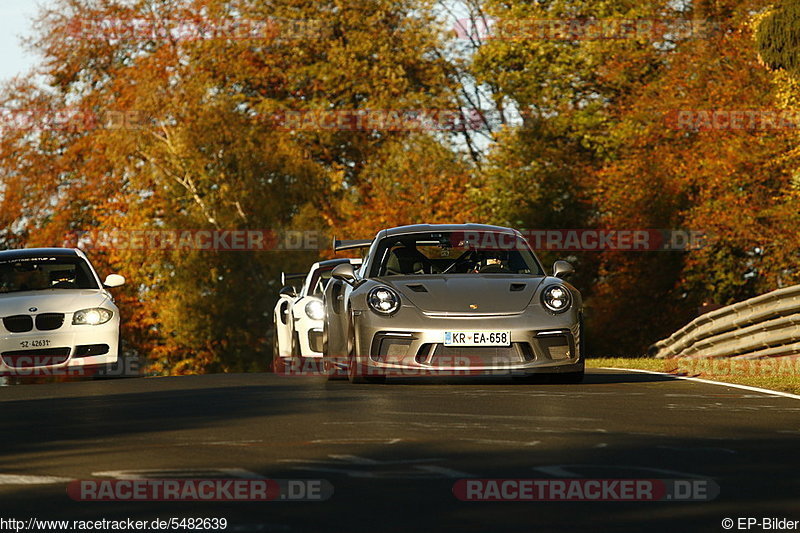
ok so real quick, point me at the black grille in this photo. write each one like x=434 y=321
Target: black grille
x=87 y=350
x=475 y=355
x=33 y=358
x=49 y=321
x=18 y=323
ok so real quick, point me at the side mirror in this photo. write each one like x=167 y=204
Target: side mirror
x=114 y=280
x=288 y=291
x=562 y=269
x=344 y=272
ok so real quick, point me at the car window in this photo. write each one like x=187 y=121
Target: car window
x=43 y=273
x=454 y=253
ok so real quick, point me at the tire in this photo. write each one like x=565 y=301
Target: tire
x=355 y=374
x=332 y=372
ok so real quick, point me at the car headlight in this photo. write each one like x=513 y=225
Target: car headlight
x=91 y=317
x=315 y=310
x=383 y=300
x=557 y=298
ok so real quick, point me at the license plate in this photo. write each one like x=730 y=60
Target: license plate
x=37 y=343
x=477 y=338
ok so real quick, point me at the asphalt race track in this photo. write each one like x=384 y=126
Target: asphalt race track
x=393 y=452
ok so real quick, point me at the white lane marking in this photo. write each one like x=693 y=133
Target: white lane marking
x=222 y=443
x=565 y=470
x=502 y=441
x=356 y=441
x=710 y=382
x=601 y=445
x=356 y=460
x=13 y=479
x=449 y=426
x=482 y=416
x=179 y=473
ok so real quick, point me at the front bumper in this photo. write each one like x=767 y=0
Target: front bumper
x=412 y=342
x=309 y=336
x=59 y=351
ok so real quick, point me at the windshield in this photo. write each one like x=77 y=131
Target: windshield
x=454 y=253
x=43 y=273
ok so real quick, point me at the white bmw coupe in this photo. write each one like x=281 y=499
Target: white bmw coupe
x=55 y=313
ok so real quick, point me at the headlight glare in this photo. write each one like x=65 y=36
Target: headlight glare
x=383 y=300
x=91 y=317
x=556 y=298
x=315 y=310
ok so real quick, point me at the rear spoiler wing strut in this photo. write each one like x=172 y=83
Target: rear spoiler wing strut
x=340 y=246
x=287 y=277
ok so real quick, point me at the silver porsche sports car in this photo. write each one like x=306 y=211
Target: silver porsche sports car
x=463 y=299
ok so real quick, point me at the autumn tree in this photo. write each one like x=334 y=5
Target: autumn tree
x=185 y=137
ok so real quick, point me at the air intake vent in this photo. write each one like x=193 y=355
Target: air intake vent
x=417 y=287
x=517 y=287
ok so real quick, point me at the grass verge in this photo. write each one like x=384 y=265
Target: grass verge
x=780 y=374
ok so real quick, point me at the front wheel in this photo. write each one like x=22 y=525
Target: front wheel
x=332 y=371
x=357 y=374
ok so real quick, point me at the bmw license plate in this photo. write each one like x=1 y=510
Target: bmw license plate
x=477 y=338
x=36 y=343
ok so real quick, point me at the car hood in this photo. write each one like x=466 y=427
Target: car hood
x=477 y=294
x=50 y=301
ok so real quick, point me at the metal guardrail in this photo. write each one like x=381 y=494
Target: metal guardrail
x=764 y=326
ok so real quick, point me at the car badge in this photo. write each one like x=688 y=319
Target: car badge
x=33 y=309
x=473 y=306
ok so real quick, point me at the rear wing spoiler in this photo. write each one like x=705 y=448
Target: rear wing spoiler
x=287 y=277
x=340 y=246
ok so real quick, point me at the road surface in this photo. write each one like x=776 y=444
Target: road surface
x=392 y=453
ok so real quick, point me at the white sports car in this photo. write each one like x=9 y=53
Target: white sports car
x=300 y=315
x=55 y=313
